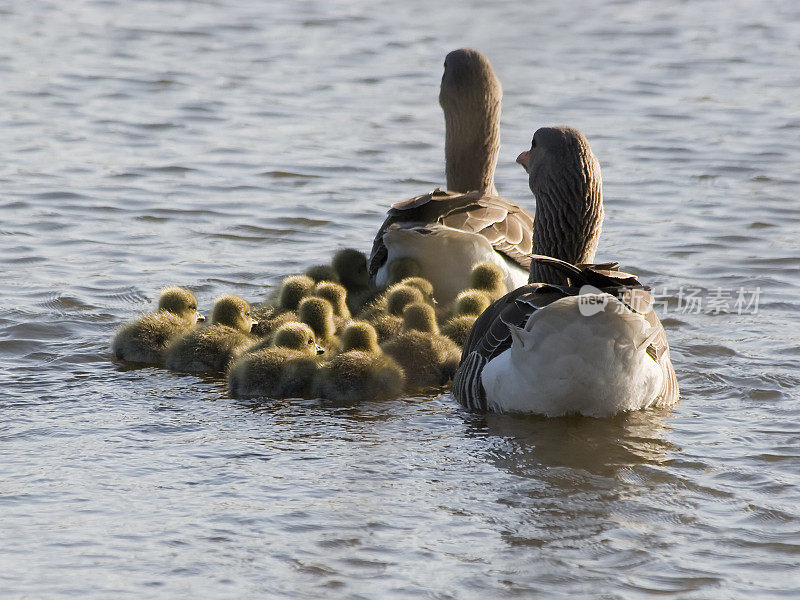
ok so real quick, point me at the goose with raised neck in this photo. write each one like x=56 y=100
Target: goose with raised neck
x=555 y=346
x=445 y=233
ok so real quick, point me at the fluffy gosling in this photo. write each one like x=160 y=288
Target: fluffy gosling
x=145 y=339
x=361 y=371
x=283 y=370
x=212 y=348
x=489 y=278
x=468 y=306
x=351 y=267
x=293 y=289
x=317 y=313
x=427 y=357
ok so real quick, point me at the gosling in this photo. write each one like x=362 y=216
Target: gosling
x=292 y=290
x=283 y=370
x=468 y=306
x=145 y=339
x=212 y=348
x=351 y=268
x=489 y=278
x=322 y=273
x=388 y=321
x=427 y=357
x=336 y=294
x=361 y=372
x=317 y=313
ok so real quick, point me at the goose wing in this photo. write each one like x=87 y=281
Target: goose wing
x=507 y=227
x=490 y=335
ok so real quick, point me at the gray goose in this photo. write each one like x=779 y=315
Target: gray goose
x=579 y=338
x=447 y=232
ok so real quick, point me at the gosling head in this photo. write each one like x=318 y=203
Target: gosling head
x=400 y=297
x=470 y=97
x=351 y=267
x=336 y=294
x=565 y=177
x=234 y=312
x=419 y=316
x=297 y=336
x=317 y=313
x=180 y=302
x=293 y=289
x=322 y=273
x=423 y=285
x=360 y=335
x=402 y=268
x=489 y=277
x=471 y=302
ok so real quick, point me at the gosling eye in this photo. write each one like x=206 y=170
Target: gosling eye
x=310 y=341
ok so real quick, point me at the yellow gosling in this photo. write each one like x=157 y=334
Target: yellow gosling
x=427 y=357
x=212 y=348
x=401 y=268
x=283 y=370
x=293 y=289
x=419 y=317
x=336 y=294
x=489 y=278
x=361 y=372
x=145 y=339
x=317 y=313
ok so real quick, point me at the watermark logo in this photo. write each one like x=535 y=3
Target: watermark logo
x=683 y=300
x=592 y=301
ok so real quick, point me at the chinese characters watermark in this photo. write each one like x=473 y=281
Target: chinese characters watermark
x=683 y=300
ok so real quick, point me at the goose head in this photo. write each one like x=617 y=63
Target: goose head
x=470 y=96
x=234 y=312
x=180 y=302
x=565 y=177
x=297 y=336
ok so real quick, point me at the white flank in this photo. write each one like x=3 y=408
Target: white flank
x=563 y=362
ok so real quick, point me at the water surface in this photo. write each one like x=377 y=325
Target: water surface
x=222 y=144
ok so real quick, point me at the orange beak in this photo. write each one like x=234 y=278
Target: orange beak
x=524 y=160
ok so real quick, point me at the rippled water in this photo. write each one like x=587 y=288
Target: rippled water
x=221 y=144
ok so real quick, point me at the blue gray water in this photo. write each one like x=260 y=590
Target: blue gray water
x=222 y=144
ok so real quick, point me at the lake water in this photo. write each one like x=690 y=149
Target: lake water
x=223 y=144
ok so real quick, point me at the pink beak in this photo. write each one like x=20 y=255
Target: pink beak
x=524 y=160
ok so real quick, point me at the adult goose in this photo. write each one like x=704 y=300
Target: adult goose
x=447 y=232
x=556 y=347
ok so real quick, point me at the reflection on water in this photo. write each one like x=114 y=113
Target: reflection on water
x=220 y=145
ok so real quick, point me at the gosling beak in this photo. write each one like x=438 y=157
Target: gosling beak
x=253 y=324
x=320 y=349
x=200 y=318
x=524 y=159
